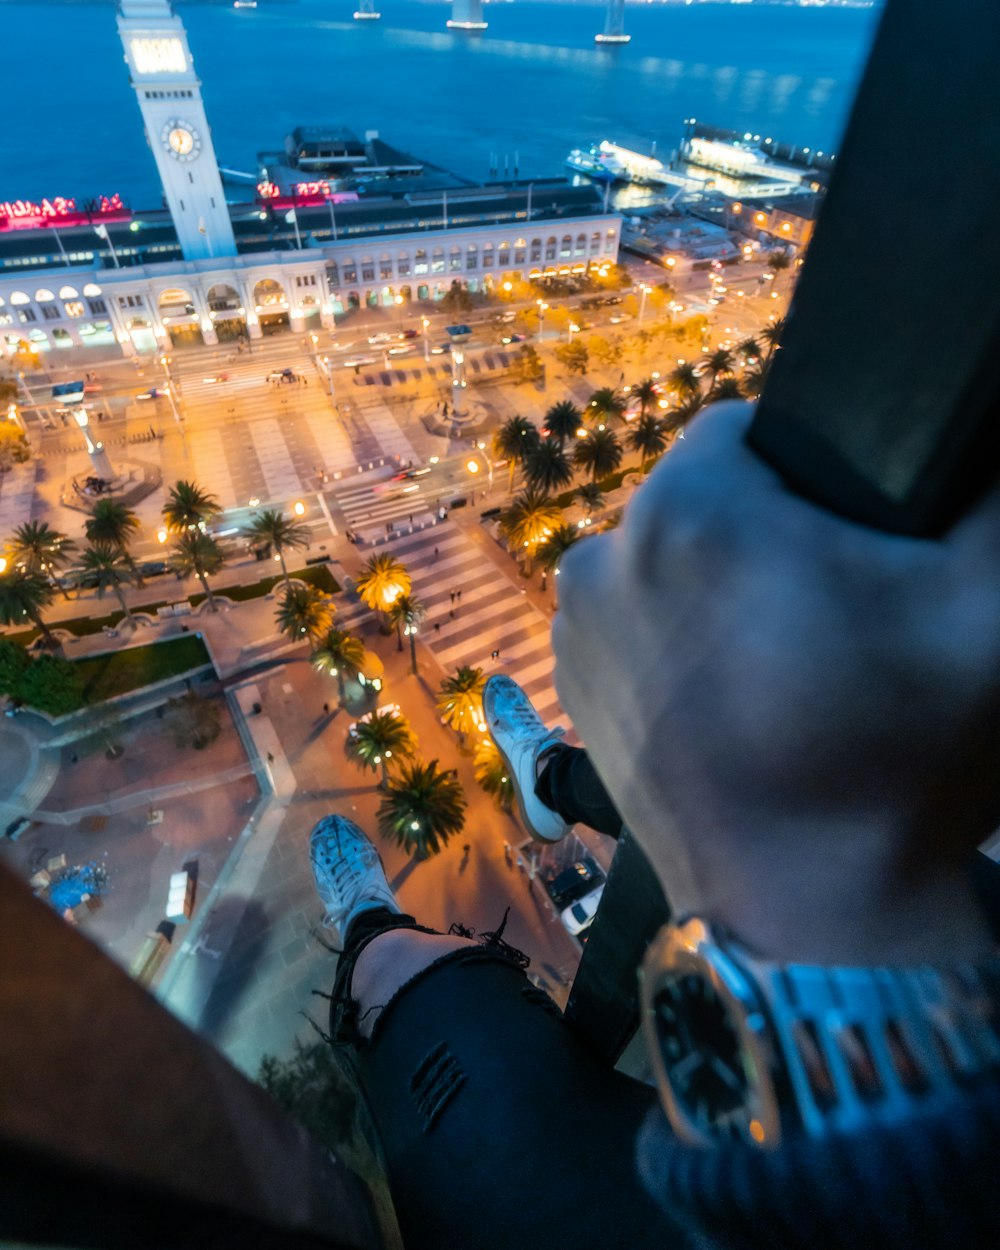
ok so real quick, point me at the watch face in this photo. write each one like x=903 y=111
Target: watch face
x=702 y=1055
x=181 y=140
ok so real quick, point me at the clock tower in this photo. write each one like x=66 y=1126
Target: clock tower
x=169 y=95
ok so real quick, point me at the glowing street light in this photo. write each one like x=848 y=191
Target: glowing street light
x=299 y=508
x=472 y=466
x=427 y=346
x=571 y=329
x=542 y=309
x=642 y=300
x=161 y=536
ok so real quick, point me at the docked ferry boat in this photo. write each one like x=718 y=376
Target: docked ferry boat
x=595 y=164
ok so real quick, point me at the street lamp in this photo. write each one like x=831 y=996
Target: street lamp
x=571 y=329
x=481 y=446
x=299 y=508
x=542 y=308
x=427 y=346
x=642 y=300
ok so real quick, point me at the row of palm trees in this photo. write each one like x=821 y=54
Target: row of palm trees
x=42 y=559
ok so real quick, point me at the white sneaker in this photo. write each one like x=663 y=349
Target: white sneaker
x=521 y=737
x=348 y=872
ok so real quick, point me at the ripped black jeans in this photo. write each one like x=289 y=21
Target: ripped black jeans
x=499 y=1127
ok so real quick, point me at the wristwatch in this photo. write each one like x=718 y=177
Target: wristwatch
x=749 y=1049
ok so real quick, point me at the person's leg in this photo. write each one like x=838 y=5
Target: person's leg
x=476 y=1090
x=556 y=786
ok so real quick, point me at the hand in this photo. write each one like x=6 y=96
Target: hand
x=798 y=717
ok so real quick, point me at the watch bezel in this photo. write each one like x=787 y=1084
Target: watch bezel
x=692 y=948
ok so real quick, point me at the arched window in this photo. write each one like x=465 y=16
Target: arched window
x=581 y=245
x=19 y=297
x=503 y=255
x=595 y=242
x=68 y=292
x=437 y=261
x=385 y=266
x=520 y=251
x=403 y=264
x=566 y=247
x=455 y=259
x=349 y=271
x=536 y=249
x=367 y=269
x=472 y=258
x=91 y=289
x=550 y=247
x=420 y=264
x=44 y=296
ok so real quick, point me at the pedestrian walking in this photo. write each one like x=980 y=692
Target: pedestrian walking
x=495 y=655
x=270 y=758
x=459 y=594
x=411 y=518
x=326 y=709
x=435 y=553
x=453 y=596
x=437 y=627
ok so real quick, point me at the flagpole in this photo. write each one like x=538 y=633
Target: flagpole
x=444 y=208
x=101 y=231
x=333 y=220
x=62 y=250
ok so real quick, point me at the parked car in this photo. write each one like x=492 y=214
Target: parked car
x=618 y=318
x=352 y=729
x=153 y=568
x=573 y=882
x=440 y=348
x=281 y=375
x=154 y=392
x=355 y=362
x=579 y=916
x=611 y=299
x=514 y=338
x=410 y=334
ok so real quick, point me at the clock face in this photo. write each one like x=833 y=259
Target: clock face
x=702 y=1056
x=181 y=140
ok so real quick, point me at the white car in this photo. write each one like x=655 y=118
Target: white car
x=579 y=916
x=401 y=349
x=374 y=340
x=617 y=318
x=356 y=362
x=352 y=729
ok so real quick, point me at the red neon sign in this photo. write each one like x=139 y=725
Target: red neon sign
x=302 y=195
x=60 y=211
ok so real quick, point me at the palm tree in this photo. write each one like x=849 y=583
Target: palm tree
x=725 y=388
x=512 y=442
x=406 y=614
x=304 y=612
x=753 y=380
x=607 y=406
x=779 y=262
x=550 y=556
x=382 y=581
x=112 y=569
x=771 y=335
x=377 y=739
x=646 y=393
x=339 y=652
x=748 y=350
x=528 y=522
x=113 y=524
x=460 y=700
x=270 y=531
x=491 y=773
x=198 y=553
x=682 y=414
x=22 y=597
x=38 y=548
x=188 y=506
x=648 y=437
x=562 y=420
x=719 y=363
x=600 y=453
x=423 y=808
x=547 y=467
x=591 y=496
x=685 y=379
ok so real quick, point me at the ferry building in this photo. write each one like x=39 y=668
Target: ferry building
x=203 y=270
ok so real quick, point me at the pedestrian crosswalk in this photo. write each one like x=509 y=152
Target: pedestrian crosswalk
x=387 y=503
x=474 y=609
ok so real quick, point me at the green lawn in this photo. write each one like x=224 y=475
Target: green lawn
x=119 y=672
x=317 y=575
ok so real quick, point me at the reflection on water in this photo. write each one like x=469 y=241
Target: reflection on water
x=534 y=82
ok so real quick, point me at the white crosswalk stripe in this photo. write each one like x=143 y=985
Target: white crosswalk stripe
x=492 y=614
